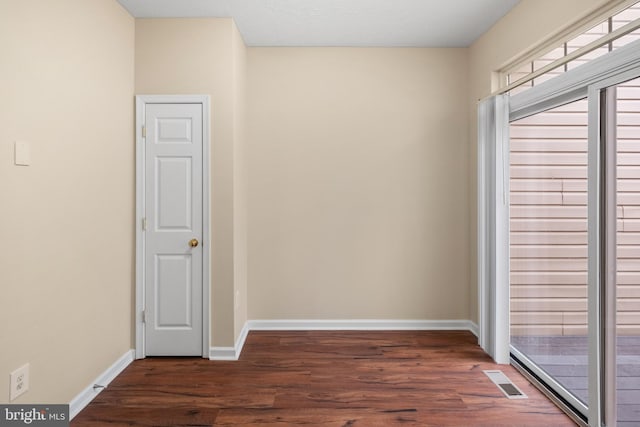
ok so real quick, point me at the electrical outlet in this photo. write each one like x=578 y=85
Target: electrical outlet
x=19 y=382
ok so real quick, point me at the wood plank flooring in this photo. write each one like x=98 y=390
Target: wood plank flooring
x=322 y=378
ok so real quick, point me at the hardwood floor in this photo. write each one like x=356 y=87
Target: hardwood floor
x=322 y=378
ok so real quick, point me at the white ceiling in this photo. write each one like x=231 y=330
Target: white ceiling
x=419 y=23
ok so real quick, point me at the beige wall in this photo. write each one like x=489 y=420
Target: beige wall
x=240 y=183
x=66 y=221
x=204 y=56
x=526 y=26
x=358 y=183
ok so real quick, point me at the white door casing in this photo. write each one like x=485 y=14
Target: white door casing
x=172 y=289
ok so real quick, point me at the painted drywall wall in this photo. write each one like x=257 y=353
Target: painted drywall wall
x=204 y=56
x=358 y=198
x=527 y=25
x=240 y=183
x=66 y=257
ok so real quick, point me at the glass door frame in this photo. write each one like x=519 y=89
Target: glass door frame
x=528 y=367
x=602 y=218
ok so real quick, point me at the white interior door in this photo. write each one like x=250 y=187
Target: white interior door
x=173 y=154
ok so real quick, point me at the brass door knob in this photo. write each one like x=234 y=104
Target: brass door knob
x=193 y=243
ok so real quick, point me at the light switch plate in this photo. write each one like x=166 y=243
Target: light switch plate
x=22 y=153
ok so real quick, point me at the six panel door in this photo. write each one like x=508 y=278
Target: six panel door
x=173 y=248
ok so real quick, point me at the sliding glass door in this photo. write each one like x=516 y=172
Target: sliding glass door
x=574 y=240
x=623 y=328
x=548 y=246
x=559 y=236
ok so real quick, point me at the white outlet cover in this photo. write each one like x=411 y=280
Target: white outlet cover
x=22 y=153
x=19 y=382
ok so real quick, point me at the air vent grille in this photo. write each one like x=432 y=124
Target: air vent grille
x=505 y=385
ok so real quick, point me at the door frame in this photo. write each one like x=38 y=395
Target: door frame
x=141 y=102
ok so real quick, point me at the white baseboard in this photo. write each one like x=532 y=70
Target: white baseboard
x=360 y=325
x=232 y=353
x=85 y=397
x=241 y=339
x=222 y=353
x=473 y=328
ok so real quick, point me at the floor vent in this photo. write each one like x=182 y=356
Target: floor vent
x=505 y=385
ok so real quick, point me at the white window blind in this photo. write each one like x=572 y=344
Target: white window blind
x=616 y=31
